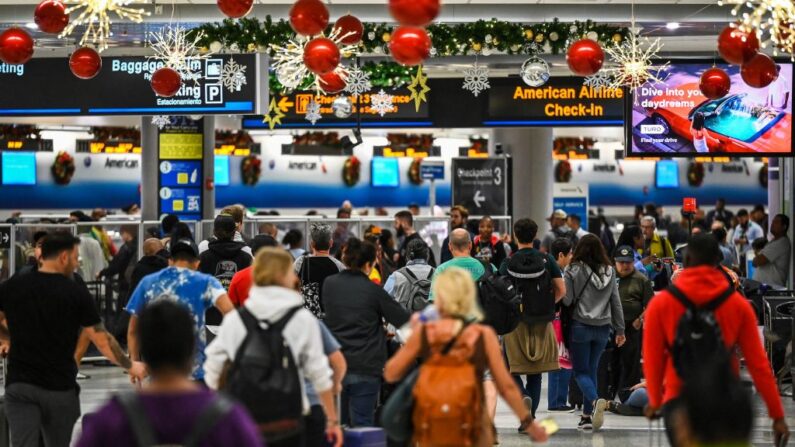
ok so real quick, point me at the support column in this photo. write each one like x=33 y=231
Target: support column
x=208 y=166
x=533 y=170
x=149 y=169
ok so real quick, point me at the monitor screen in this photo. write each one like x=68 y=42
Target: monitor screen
x=385 y=172
x=667 y=174
x=19 y=168
x=673 y=118
x=222 y=170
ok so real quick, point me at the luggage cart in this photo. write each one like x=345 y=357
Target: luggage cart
x=778 y=334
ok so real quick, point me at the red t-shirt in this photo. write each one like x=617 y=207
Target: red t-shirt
x=240 y=286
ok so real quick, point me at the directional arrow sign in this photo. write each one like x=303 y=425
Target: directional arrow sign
x=478 y=199
x=5 y=238
x=285 y=104
x=481 y=185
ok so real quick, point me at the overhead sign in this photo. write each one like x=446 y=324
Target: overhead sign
x=573 y=199
x=482 y=185
x=432 y=170
x=180 y=169
x=46 y=86
x=561 y=101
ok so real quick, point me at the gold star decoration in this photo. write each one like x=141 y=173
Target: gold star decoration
x=95 y=15
x=274 y=115
x=419 y=80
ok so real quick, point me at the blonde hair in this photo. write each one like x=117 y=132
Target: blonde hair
x=270 y=266
x=455 y=293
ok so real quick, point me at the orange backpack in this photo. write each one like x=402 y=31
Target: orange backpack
x=448 y=399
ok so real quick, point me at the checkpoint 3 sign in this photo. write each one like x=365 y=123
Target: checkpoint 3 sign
x=46 y=87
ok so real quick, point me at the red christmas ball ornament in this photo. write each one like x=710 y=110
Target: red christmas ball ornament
x=166 y=82
x=321 y=55
x=737 y=46
x=309 y=17
x=350 y=24
x=714 y=83
x=332 y=82
x=760 y=71
x=410 y=45
x=85 y=63
x=16 y=46
x=235 y=9
x=50 y=16
x=414 y=12
x=585 y=57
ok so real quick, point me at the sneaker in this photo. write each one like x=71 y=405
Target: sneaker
x=612 y=407
x=585 y=423
x=563 y=409
x=598 y=415
x=528 y=403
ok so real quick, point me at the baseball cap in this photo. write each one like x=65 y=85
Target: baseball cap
x=560 y=214
x=185 y=245
x=625 y=254
x=225 y=223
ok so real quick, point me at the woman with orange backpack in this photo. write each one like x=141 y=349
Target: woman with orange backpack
x=456 y=353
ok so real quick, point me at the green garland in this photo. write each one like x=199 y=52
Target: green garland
x=480 y=37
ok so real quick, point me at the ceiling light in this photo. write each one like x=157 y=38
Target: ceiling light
x=672 y=25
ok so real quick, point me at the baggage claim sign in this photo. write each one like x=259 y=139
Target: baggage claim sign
x=564 y=101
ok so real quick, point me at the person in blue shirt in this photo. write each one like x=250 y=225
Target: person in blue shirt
x=632 y=236
x=182 y=283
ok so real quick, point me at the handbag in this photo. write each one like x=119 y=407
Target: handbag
x=567 y=314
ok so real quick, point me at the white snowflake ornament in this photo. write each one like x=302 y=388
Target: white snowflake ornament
x=600 y=80
x=381 y=102
x=358 y=82
x=172 y=46
x=233 y=76
x=313 y=112
x=476 y=79
x=161 y=121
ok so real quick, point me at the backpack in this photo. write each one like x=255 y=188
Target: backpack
x=499 y=301
x=698 y=338
x=448 y=398
x=145 y=436
x=310 y=290
x=533 y=282
x=415 y=296
x=265 y=373
x=224 y=272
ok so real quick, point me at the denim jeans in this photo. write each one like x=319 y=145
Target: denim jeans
x=532 y=389
x=558 y=392
x=359 y=398
x=639 y=398
x=587 y=345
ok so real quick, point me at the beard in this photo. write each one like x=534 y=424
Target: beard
x=400 y=231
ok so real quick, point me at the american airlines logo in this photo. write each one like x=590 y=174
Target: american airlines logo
x=652 y=129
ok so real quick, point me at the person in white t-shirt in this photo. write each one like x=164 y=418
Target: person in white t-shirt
x=772 y=262
x=779 y=92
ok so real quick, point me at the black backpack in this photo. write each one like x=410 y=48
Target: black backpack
x=264 y=378
x=145 y=436
x=311 y=291
x=533 y=283
x=698 y=339
x=499 y=301
x=415 y=296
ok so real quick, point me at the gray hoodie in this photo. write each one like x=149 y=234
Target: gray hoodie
x=598 y=302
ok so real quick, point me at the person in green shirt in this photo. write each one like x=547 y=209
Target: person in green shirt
x=461 y=248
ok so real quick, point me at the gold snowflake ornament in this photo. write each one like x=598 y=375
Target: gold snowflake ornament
x=418 y=88
x=632 y=62
x=95 y=15
x=772 y=20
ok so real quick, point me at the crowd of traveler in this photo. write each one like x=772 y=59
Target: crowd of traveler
x=221 y=330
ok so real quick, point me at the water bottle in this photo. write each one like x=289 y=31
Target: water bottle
x=429 y=314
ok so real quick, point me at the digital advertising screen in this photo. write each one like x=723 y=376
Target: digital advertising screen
x=673 y=118
x=667 y=174
x=221 y=170
x=385 y=172
x=19 y=168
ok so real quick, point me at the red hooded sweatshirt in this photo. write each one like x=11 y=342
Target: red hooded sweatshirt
x=737 y=322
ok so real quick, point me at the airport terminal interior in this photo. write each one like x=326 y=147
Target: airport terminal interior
x=396 y=223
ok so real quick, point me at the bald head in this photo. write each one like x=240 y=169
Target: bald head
x=460 y=243
x=152 y=246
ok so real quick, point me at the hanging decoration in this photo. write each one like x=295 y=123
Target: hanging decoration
x=714 y=83
x=250 y=170
x=358 y=81
x=161 y=121
x=414 y=12
x=16 y=46
x=633 y=60
x=760 y=71
x=599 y=80
x=737 y=46
x=178 y=50
x=235 y=9
x=381 y=103
x=95 y=16
x=414 y=172
x=410 y=45
x=50 y=16
x=535 y=72
x=585 y=57
x=453 y=39
x=418 y=88
x=342 y=107
x=313 y=112
x=333 y=82
x=274 y=115
x=476 y=78
x=63 y=168
x=695 y=174
x=321 y=56
x=351 y=27
x=351 y=171
x=85 y=63
x=773 y=20
x=309 y=17
x=233 y=76
x=166 y=82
